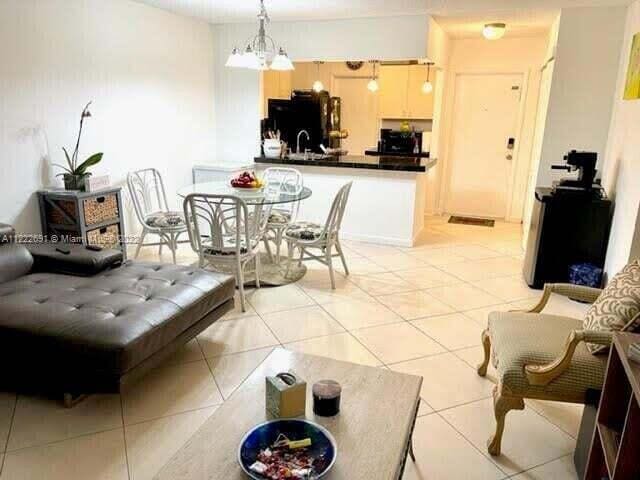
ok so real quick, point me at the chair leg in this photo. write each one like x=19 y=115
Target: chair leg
x=240 y=280
x=279 y=233
x=502 y=404
x=172 y=247
x=329 y=260
x=344 y=261
x=486 y=345
x=265 y=240
x=301 y=255
x=258 y=264
x=140 y=243
x=290 y=249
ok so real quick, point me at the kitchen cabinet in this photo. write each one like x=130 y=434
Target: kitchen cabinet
x=401 y=93
x=275 y=84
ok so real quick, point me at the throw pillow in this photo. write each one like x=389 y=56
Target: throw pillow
x=617 y=307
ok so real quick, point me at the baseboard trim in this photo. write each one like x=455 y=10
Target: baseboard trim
x=395 y=242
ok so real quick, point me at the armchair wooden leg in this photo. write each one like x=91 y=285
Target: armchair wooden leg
x=486 y=345
x=502 y=404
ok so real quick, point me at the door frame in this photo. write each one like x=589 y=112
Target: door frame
x=445 y=178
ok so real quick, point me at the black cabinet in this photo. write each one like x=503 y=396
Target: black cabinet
x=567 y=227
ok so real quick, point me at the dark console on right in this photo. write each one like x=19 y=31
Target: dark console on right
x=570 y=223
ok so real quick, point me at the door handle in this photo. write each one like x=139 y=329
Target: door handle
x=509 y=156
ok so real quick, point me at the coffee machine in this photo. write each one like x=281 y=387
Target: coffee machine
x=585 y=163
x=570 y=223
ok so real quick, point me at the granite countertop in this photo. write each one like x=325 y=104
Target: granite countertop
x=376 y=153
x=371 y=162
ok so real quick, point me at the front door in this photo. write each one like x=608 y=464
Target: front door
x=359 y=114
x=483 y=148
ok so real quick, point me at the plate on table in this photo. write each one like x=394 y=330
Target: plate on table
x=266 y=445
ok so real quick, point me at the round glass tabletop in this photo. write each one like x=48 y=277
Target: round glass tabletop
x=264 y=196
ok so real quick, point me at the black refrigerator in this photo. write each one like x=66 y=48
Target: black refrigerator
x=317 y=113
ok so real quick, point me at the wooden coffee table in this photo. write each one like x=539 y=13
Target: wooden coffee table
x=373 y=429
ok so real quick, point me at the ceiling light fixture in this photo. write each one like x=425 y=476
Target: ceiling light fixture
x=317 y=85
x=260 y=52
x=494 y=31
x=427 y=86
x=373 y=86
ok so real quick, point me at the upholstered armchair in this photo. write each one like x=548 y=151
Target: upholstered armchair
x=542 y=356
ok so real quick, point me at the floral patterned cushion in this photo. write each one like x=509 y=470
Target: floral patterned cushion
x=618 y=306
x=165 y=219
x=304 y=231
x=279 y=217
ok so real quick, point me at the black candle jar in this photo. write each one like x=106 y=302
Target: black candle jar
x=326 y=398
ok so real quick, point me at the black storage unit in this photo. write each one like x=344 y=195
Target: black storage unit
x=567 y=227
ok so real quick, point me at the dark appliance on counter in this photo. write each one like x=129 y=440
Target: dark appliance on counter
x=570 y=224
x=317 y=113
x=397 y=142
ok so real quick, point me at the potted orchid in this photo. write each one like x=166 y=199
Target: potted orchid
x=76 y=174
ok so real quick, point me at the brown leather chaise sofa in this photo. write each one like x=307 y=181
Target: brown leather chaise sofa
x=75 y=321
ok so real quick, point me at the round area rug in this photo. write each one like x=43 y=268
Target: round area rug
x=271 y=274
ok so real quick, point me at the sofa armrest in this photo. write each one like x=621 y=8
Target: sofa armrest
x=569 y=290
x=545 y=374
x=73 y=259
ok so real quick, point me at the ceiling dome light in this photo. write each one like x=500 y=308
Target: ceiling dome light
x=494 y=31
x=282 y=61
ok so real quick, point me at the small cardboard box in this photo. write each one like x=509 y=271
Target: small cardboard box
x=286 y=395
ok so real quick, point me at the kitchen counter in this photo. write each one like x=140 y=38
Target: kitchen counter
x=371 y=162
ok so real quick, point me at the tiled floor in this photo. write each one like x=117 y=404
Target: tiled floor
x=418 y=310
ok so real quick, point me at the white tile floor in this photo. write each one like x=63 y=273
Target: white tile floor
x=418 y=310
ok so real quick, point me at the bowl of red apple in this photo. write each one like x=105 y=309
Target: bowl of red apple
x=246 y=181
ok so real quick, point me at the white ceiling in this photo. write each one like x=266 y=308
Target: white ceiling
x=460 y=18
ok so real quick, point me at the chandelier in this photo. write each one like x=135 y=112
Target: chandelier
x=260 y=51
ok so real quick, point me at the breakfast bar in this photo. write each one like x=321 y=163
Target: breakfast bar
x=387 y=201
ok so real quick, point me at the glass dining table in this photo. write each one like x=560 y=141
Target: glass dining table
x=263 y=196
x=271 y=272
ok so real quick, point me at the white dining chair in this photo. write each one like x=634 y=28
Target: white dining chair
x=149 y=199
x=308 y=236
x=281 y=180
x=224 y=234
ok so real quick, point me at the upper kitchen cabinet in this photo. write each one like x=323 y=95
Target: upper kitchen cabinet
x=401 y=93
x=393 y=91
x=275 y=84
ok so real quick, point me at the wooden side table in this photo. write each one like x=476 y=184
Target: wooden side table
x=616 y=439
x=91 y=218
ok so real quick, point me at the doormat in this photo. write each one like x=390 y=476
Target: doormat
x=478 y=222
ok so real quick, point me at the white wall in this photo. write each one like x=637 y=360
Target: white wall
x=148 y=72
x=584 y=76
x=621 y=173
x=508 y=55
x=237 y=109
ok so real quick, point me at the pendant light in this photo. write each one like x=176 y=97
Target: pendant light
x=317 y=85
x=494 y=31
x=260 y=52
x=427 y=86
x=373 y=86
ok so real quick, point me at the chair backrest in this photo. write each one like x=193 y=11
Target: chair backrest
x=283 y=179
x=334 y=219
x=147 y=192
x=222 y=223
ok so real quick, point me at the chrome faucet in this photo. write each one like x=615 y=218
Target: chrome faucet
x=298 y=139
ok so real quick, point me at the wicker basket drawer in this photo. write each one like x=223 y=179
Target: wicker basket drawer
x=100 y=209
x=105 y=237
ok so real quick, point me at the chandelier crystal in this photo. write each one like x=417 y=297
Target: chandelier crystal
x=260 y=51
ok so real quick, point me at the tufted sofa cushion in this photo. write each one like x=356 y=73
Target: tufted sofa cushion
x=109 y=322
